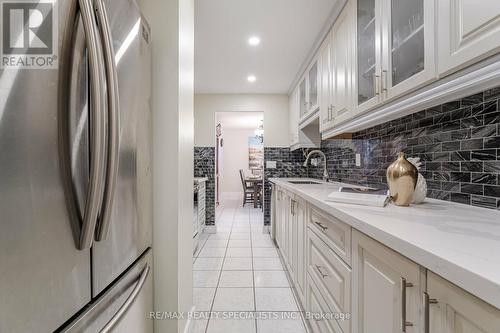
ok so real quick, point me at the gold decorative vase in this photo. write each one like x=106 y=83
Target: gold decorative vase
x=402 y=178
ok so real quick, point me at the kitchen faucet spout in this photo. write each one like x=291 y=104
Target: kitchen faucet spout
x=326 y=177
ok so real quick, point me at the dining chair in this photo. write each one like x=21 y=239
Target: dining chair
x=248 y=191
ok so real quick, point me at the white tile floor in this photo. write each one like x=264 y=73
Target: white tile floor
x=238 y=270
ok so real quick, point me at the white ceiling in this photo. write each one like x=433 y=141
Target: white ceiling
x=223 y=59
x=240 y=120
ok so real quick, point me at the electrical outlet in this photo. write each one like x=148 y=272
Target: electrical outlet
x=358 y=160
x=271 y=164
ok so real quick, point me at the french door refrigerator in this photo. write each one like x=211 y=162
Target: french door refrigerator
x=75 y=178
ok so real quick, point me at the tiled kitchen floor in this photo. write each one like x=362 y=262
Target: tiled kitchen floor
x=237 y=271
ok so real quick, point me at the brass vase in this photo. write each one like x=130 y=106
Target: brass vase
x=402 y=178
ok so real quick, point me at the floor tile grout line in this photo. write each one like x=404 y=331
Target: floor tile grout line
x=240 y=215
x=253 y=273
x=220 y=275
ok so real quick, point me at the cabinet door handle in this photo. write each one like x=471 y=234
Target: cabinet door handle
x=318 y=268
x=427 y=301
x=404 y=323
x=321 y=225
x=375 y=83
x=384 y=81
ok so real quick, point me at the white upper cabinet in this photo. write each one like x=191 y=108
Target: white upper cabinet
x=469 y=30
x=395 y=49
x=309 y=88
x=303 y=103
x=293 y=107
x=368 y=55
x=313 y=86
x=343 y=37
x=326 y=85
x=299 y=138
x=408 y=45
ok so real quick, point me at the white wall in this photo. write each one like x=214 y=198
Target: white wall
x=275 y=108
x=172 y=26
x=235 y=158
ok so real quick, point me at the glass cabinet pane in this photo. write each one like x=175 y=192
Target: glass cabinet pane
x=407 y=52
x=302 y=98
x=366 y=50
x=313 y=85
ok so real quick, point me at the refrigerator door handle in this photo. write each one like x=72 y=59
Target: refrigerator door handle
x=98 y=130
x=128 y=303
x=113 y=121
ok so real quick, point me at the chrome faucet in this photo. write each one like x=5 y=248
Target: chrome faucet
x=326 y=177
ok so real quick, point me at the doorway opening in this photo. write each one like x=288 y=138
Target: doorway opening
x=239 y=158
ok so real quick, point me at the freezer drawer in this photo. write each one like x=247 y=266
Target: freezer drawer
x=126 y=304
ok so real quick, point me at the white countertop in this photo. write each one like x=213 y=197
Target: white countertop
x=458 y=242
x=198 y=180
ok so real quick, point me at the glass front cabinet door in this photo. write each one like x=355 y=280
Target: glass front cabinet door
x=313 y=78
x=368 y=55
x=395 y=49
x=303 y=107
x=408 y=37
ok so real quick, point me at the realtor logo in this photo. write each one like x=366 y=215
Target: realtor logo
x=29 y=34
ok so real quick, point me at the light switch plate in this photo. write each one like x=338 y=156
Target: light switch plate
x=358 y=160
x=271 y=164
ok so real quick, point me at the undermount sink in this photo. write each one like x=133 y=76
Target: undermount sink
x=305 y=182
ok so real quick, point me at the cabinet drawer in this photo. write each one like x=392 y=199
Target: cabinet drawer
x=316 y=307
x=334 y=232
x=331 y=275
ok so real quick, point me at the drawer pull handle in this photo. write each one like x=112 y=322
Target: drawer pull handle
x=404 y=323
x=323 y=275
x=321 y=225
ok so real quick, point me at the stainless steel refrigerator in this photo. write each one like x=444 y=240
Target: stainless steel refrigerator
x=75 y=178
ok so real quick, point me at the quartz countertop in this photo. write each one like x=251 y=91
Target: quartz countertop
x=461 y=243
x=198 y=180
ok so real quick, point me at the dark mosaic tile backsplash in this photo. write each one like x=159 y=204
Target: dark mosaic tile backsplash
x=288 y=164
x=204 y=166
x=458 y=143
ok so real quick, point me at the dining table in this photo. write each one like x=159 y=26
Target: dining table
x=256 y=182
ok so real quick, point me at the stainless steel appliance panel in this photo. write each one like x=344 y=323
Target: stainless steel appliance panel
x=44 y=279
x=130 y=230
x=123 y=308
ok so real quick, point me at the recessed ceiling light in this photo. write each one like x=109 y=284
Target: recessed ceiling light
x=254 y=41
x=251 y=78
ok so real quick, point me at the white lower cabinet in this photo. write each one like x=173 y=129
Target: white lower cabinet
x=386 y=289
x=282 y=222
x=318 y=310
x=291 y=234
x=299 y=213
x=331 y=275
x=381 y=292
x=453 y=310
